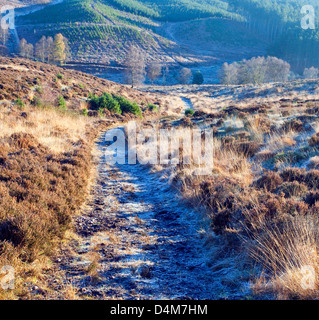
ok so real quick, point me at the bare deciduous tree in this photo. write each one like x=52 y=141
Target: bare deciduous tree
x=50 y=50
x=3 y=50
x=184 y=76
x=154 y=71
x=311 y=73
x=4 y=34
x=29 y=51
x=23 y=47
x=135 y=66
x=59 y=49
x=165 y=74
x=26 y=49
x=255 y=70
x=67 y=49
x=41 y=49
x=277 y=70
x=229 y=73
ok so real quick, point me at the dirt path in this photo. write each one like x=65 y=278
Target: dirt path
x=138 y=240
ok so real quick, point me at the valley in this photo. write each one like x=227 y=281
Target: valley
x=161 y=42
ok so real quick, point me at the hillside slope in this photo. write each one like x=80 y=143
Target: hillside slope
x=34 y=81
x=176 y=33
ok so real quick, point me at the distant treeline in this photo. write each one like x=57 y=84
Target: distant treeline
x=47 y=49
x=256 y=70
x=279 y=21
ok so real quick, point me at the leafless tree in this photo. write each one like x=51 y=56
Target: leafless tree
x=165 y=73
x=4 y=34
x=154 y=71
x=3 y=50
x=277 y=70
x=255 y=70
x=50 y=50
x=59 y=49
x=41 y=49
x=311 y=73
x=23 y=47
x=29 y=51
x=135 y=66
x=229 y=73
x=185 y=76
x=67 y=49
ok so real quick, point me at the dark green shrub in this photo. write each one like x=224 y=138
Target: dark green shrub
x=189 y=112
x=19 y=103
x=93 y=101
x=61 y=103
x=85 y=112
x=106 y=101
x=152 y=107
x=113 y=103
x=127 y=106
x=198 y=78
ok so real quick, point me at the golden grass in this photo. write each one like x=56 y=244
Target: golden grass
x=290 y=255
x=56 y=130
x=232 y=164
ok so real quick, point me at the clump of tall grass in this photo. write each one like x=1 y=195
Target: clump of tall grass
x=289 y=254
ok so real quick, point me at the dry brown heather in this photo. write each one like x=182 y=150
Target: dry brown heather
x=45 y=167
x=39 y=83
x=45 y=159
x=264 y=191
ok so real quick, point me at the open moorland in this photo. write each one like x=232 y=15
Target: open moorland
x=76 y=227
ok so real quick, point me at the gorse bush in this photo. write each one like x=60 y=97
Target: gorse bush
x=105 y=101
x=114 y=103
x=127 y=106
x=152 y=107
x=189 y=112
x=61 y=103
x=19 y=103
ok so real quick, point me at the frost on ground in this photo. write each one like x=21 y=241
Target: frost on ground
x=138 y=240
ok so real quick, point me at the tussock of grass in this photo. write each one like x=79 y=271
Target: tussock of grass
x=290 y=253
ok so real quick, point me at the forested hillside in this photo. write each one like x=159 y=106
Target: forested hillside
x=102 y=30
x=280 y=22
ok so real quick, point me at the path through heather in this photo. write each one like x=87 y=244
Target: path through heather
x=140 y=241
